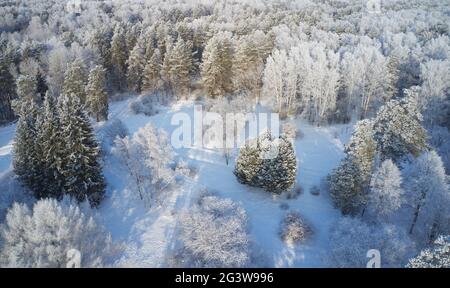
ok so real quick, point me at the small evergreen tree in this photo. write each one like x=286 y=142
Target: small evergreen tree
x=346 y=187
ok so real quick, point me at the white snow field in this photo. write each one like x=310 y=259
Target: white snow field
x=149 y=234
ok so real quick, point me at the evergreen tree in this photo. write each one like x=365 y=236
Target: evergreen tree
x=97 y=97
x=51 y=150
x=216 y=65
x=7 y=91
x=136 y=62
x=119 y=56
x=80 y=165
x=398 y=130
x=26 y=87
x=152 y=78
x=437 y=256
x=75 y=80
x=267 y=163
x=362 y=148
x=177 y=65
x=346 y=187
x=25 y=160
x=386 y=194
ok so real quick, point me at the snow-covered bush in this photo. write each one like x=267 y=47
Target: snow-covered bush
x=290 y=131
x=294 y=229
x=43 y=236
x=144 y=104
x=110 y=130
x=436 y=257
x=267 y=163
x=214 y=234
x=351 y=239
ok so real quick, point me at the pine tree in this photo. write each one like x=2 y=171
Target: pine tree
x=97 y=97
x=80 y=165
x=386 y=194
x=119 y=56
x=346 y=187
x=362 y=148
x=177 y=65
x=216 y=65
x=398 y=130
x=152 y=77
x=7 y=91
x=136 y=62
x=26 y=87
x=75 y=80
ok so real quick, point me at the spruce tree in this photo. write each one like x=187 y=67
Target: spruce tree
x=75 y=80
x=267 y=163
x=25 y=160
x=51 y=149
x=97 y=97
x=80 y=165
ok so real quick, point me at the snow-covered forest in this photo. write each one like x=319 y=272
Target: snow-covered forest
x=94 y=100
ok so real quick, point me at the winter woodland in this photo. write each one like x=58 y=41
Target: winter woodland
x=89 y=90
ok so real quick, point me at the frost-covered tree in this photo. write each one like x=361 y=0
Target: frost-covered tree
x=346 y=187
x=429 y=196
x=362 y=148
x=177 y=66
x=75 y=80
x=136 y=63
x=26 y=87
x=147 y=156
x=217 y=64
x=398 y=130
x=44 y=236
x=151 y=78
x=96 y=94
x=386 y=193
x=214 y=234
x=26 y=157
x=437 y=256
x=51 y=150
x=80 y=163
x=351 y=239
x=7 y=91
x=434 y=100
x=267 y=163
x=119 y=56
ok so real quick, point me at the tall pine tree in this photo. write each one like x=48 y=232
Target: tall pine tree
x=75 y=80
x=97 y=97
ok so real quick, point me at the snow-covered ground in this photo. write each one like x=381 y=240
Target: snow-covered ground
x=149 y=234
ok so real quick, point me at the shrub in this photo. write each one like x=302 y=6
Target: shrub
x=294 y=229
